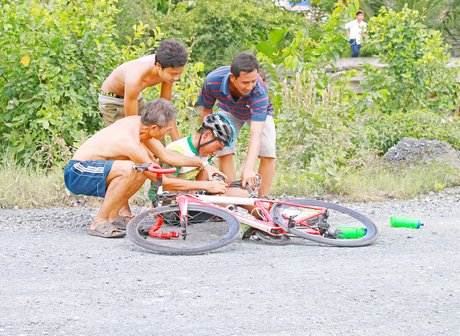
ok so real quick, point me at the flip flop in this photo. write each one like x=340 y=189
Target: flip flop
x=106 y=230
x=121 y=222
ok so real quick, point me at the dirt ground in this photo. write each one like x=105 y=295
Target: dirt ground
x=57 y=280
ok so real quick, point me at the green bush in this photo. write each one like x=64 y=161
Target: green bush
x=133 y=12
x=416 y=76
x=218 y=30
x=314 y=47
x=49 y=80
x=382 y=131
x=56 y=54
x=319 y=128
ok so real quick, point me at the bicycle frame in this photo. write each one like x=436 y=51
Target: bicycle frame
x=268 y=224
x=275 y=221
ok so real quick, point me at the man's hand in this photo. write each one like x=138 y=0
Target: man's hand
x=214 y=187
x=210 y=171
x=248 y=177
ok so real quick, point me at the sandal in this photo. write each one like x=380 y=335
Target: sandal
x=121 y=222
x=106 y=230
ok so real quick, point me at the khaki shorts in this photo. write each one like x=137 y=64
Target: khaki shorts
x=267 y=141
x=113 y=109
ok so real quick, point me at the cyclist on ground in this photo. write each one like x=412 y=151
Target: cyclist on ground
x=103 y=165
x=242 y=97
x=121 y=92
x=215 y=133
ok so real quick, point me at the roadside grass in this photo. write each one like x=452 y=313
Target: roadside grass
x=376 y=181
x=382 y=181
x=22 y=187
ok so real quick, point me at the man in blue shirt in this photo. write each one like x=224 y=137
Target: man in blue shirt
x=242 y=97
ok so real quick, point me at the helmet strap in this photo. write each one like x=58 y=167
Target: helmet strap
x=204 y=144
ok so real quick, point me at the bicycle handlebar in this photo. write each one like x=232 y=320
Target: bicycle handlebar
x=153 y=168
x=239 y=184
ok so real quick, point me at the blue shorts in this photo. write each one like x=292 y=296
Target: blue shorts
x=87 y=177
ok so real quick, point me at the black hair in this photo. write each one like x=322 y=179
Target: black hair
x=359 y=12
x=158 y=112
x=244 y=62
x=171 y=54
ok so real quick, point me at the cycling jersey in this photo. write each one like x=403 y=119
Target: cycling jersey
x=185 y=147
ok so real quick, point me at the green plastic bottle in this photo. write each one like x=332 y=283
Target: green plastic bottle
x=350 y=232
x=405 y=222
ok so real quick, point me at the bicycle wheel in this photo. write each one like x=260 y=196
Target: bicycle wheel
x=324 y=222
x=159 y=229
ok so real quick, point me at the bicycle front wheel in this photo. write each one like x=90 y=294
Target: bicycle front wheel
x=324 y=222
x=160 y=230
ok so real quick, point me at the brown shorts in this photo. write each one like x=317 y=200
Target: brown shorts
x=113 y=109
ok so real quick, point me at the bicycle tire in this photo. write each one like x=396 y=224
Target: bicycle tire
x=199 y=239
x=369 y=237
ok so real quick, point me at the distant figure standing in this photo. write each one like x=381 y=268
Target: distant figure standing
x=355 y=32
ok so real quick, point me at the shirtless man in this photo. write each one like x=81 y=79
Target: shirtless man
x=103 y=165
x=120 y=94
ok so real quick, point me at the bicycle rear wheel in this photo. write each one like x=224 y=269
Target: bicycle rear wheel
x=324 y=222
x=159 y=229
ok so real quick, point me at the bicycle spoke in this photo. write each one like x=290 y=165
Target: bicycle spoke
x=161 y=229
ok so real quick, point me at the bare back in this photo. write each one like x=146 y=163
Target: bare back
x=140 y=73
x=119 y=141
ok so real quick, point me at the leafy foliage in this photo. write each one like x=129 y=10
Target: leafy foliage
x=55 y=54
x=217 y=30
x=50 y=78
x=133 y=12
x=416 y=76
x=313 y=48
x=320 y=129
x=328 y=128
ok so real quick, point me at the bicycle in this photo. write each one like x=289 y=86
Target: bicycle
x=199 y=223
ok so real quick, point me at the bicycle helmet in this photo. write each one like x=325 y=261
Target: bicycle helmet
x=221 y=127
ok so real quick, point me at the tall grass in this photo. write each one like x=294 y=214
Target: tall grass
x=380 y=180
x=27 y=187
x=21 y=187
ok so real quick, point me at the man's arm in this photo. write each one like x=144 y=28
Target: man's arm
x=139 y=154
x=248 y=175
x=175 y=159
x=204 y=113
x=166 y=93
x=177 y=184
x=206 y=100
x=132 y=90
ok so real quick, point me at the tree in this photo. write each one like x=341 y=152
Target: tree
x=416 y=76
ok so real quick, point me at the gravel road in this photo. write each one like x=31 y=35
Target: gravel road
x=57 y=280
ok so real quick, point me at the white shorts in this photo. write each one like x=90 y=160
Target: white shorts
x=267 y=141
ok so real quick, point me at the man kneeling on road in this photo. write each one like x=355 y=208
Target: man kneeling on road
x=103 y=165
